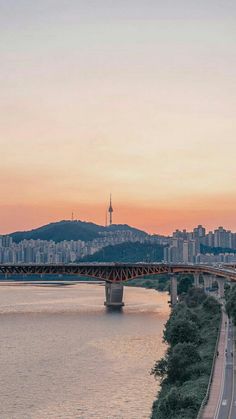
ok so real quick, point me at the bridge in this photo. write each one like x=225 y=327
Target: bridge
x=115 y=274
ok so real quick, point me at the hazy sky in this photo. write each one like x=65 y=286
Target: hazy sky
x=128 y=96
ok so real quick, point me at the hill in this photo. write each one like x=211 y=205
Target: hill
x=128 y=252
x=71 y=230
x=216 y=250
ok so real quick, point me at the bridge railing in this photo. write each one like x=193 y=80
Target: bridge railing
x=206 y=398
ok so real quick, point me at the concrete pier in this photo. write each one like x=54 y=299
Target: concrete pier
x=221 y=287
x=211 y=280
x=196 y=279
x=173 y=290
x=114 y=295
x=206 y=279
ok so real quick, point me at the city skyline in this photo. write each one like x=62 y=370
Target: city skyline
x=196 y=246
x=177 y=232
x=133 y=98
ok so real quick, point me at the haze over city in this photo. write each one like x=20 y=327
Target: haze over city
x=134 y=98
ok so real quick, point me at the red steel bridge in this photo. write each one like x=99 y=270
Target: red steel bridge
x=115 y=274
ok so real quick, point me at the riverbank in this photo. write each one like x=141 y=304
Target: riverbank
x=48 y=283
x=191 y=334
x=160 y=283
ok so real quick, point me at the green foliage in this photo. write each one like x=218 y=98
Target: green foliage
x=181 y=362
x=162 y=283
x=181 y=330
x=176 y=404
x=216 y=250
x=160 y=369
x=195 y=297
x=211 y=305
x=191 y=332
x=70 y=230
x=184 y=284
x=128 y=252
x=156 y=282
x=230 y=296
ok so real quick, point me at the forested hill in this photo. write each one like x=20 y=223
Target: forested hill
x=71 y=230
x=128 y=252
x=216 y=250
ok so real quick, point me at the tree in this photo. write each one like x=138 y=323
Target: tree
x=178 y=364
x=160 y=369
x=184 y=371
x=177 y=405
x=179 y=330
x=195 y=297
x=184 y=285
x=169 y=404
x=211 y=305
x=182 y=311
x=231 y=303
x=181 y=361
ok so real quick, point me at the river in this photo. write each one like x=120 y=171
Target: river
x=62 y=355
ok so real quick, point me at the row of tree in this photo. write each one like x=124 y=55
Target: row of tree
x=230 y=296
x=190 y=334
x=130 y=252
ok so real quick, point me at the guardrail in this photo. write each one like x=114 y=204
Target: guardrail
x=206 y=398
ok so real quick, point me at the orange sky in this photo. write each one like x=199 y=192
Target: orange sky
x=132 y=99
x=161 y=220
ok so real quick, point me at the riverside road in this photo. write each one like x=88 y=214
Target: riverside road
x=227 y=405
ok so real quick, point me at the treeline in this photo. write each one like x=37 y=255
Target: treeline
x=215 y=250
x=128 y=252
x=191 y=334
x=156 y=282
x=71 y=230
x=162 y=282
x=230 y=296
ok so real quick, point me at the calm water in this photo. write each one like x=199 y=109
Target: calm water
x=63 y=356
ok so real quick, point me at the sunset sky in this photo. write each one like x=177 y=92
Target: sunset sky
x=133 y=97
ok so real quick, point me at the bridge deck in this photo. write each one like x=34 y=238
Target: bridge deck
x=116 y=272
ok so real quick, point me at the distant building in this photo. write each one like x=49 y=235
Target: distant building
x=181 y=247
x=199 y=232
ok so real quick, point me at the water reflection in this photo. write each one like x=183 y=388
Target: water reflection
x=63 y=354
x=114 y=310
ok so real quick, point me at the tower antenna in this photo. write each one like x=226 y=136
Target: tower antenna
x=110 y=210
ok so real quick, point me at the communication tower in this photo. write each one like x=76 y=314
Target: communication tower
x=110 y=210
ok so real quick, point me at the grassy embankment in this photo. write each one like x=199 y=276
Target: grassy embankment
x=191 y=334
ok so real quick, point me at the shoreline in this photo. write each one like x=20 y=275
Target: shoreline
x=46 y=283
x=184 y=372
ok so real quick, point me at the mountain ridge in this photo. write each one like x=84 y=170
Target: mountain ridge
x=71 y=230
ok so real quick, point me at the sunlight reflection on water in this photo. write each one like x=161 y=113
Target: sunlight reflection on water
x=64 y=356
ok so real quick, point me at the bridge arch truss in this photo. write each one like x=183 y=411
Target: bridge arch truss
x=116 y=273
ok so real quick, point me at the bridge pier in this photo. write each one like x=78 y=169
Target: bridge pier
x=231 y=284
x=207 y=283
x=173 y=290
x=211 y=279
x=114 y=295
x=196 y=277
x=221 y=287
